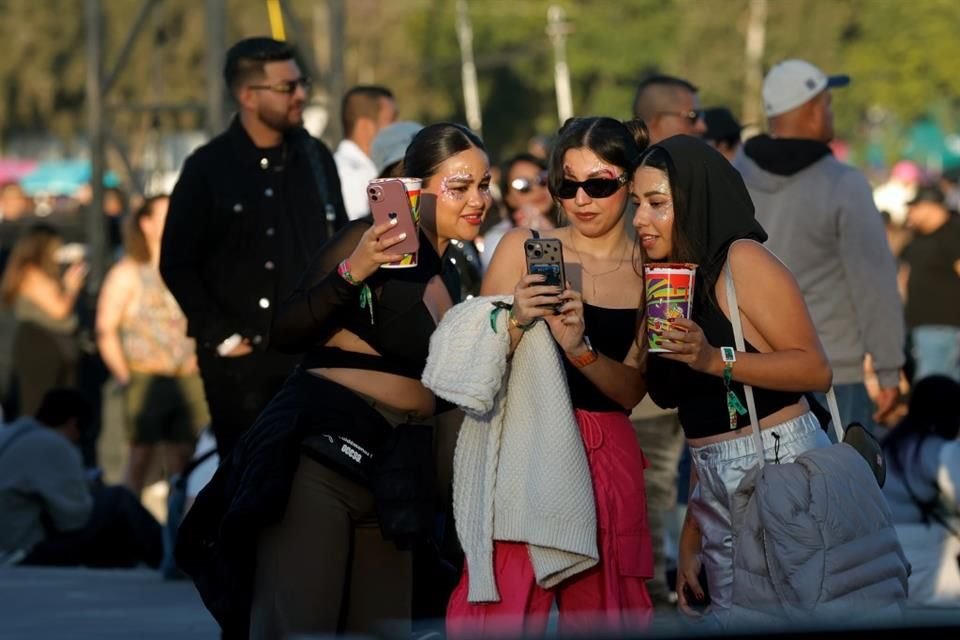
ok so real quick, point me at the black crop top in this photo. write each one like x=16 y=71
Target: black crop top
x=323 y=302
x=701 y=398
x=611 y=333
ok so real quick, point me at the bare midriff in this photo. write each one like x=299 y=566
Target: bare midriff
x=772 y=420
x=397 y=393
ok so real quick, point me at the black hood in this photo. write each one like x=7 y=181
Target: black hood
x=784 y=156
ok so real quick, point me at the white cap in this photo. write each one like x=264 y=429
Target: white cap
x=390 y=144
x=791 y=83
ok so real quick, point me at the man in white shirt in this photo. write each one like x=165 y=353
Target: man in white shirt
x=365 y=110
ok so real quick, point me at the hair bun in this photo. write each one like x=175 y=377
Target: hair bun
x=638 y=129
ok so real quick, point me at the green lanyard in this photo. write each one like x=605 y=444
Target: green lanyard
x=734 y=406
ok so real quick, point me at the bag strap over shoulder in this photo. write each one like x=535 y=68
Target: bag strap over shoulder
x=747 y=389
x=738 y=339
x=838 y=426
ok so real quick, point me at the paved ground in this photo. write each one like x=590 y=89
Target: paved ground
x=86 y=604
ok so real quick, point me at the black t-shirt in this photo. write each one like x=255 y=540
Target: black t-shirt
x=933 y=288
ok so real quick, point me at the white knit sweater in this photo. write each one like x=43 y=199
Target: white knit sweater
x=520 y=470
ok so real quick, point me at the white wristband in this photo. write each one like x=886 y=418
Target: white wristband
x=229 y=344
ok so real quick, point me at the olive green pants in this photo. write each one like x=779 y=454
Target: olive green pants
x=325 y=568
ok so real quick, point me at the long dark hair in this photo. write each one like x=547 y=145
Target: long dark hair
x=433 y=145
x=35 y=248
x=934 y=411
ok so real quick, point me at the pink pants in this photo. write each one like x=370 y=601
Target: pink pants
x=611 y=596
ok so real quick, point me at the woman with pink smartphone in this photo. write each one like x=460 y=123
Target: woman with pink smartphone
x=335 y=475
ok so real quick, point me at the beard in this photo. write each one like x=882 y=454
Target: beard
x=282 y=120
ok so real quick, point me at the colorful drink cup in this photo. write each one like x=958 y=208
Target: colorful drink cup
x=669 y=288
x=413 y=185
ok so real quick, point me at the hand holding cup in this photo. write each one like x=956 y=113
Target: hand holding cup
x=373 y=250
x=685 y=342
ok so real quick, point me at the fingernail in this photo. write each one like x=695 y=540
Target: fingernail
x=403 y=236
x=393 y=221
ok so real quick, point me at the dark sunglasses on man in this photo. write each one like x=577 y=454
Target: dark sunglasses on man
x=692 y=116
x=285 y=86
x=594 y=187
x=526 y=185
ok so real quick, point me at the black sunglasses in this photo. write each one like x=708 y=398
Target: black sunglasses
x=692 y=116
x=594 y=187
x=525 y=185
x=286 y=86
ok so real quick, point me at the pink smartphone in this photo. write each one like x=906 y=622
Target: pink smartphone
x=389 y=201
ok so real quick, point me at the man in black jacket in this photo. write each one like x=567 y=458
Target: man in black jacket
x=250 y=208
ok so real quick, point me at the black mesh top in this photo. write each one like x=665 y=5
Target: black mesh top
x=323 y=302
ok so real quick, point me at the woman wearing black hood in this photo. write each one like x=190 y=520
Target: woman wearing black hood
x=692 y=207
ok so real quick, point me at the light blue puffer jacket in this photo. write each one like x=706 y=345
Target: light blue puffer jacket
x=814 y=540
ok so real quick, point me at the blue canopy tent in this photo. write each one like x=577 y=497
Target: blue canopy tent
x=62 y=178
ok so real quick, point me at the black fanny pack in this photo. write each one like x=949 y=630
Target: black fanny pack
x=374 y=449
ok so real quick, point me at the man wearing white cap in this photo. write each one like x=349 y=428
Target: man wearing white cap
x=822 y=222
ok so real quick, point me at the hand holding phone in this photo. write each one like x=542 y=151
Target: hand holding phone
x=545 y=257
x=388 y=202
x=691 y=603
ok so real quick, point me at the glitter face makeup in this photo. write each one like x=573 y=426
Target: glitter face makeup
x=654 y=218
x=454 y=186
x=665 y=209
x=461 y=185
x=602 y=169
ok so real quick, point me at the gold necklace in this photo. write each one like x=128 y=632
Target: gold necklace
x=594 y=276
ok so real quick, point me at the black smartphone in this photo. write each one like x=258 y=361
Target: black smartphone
x=545 y=257
x=698 y=605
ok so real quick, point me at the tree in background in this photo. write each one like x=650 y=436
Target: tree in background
x=903 y=56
